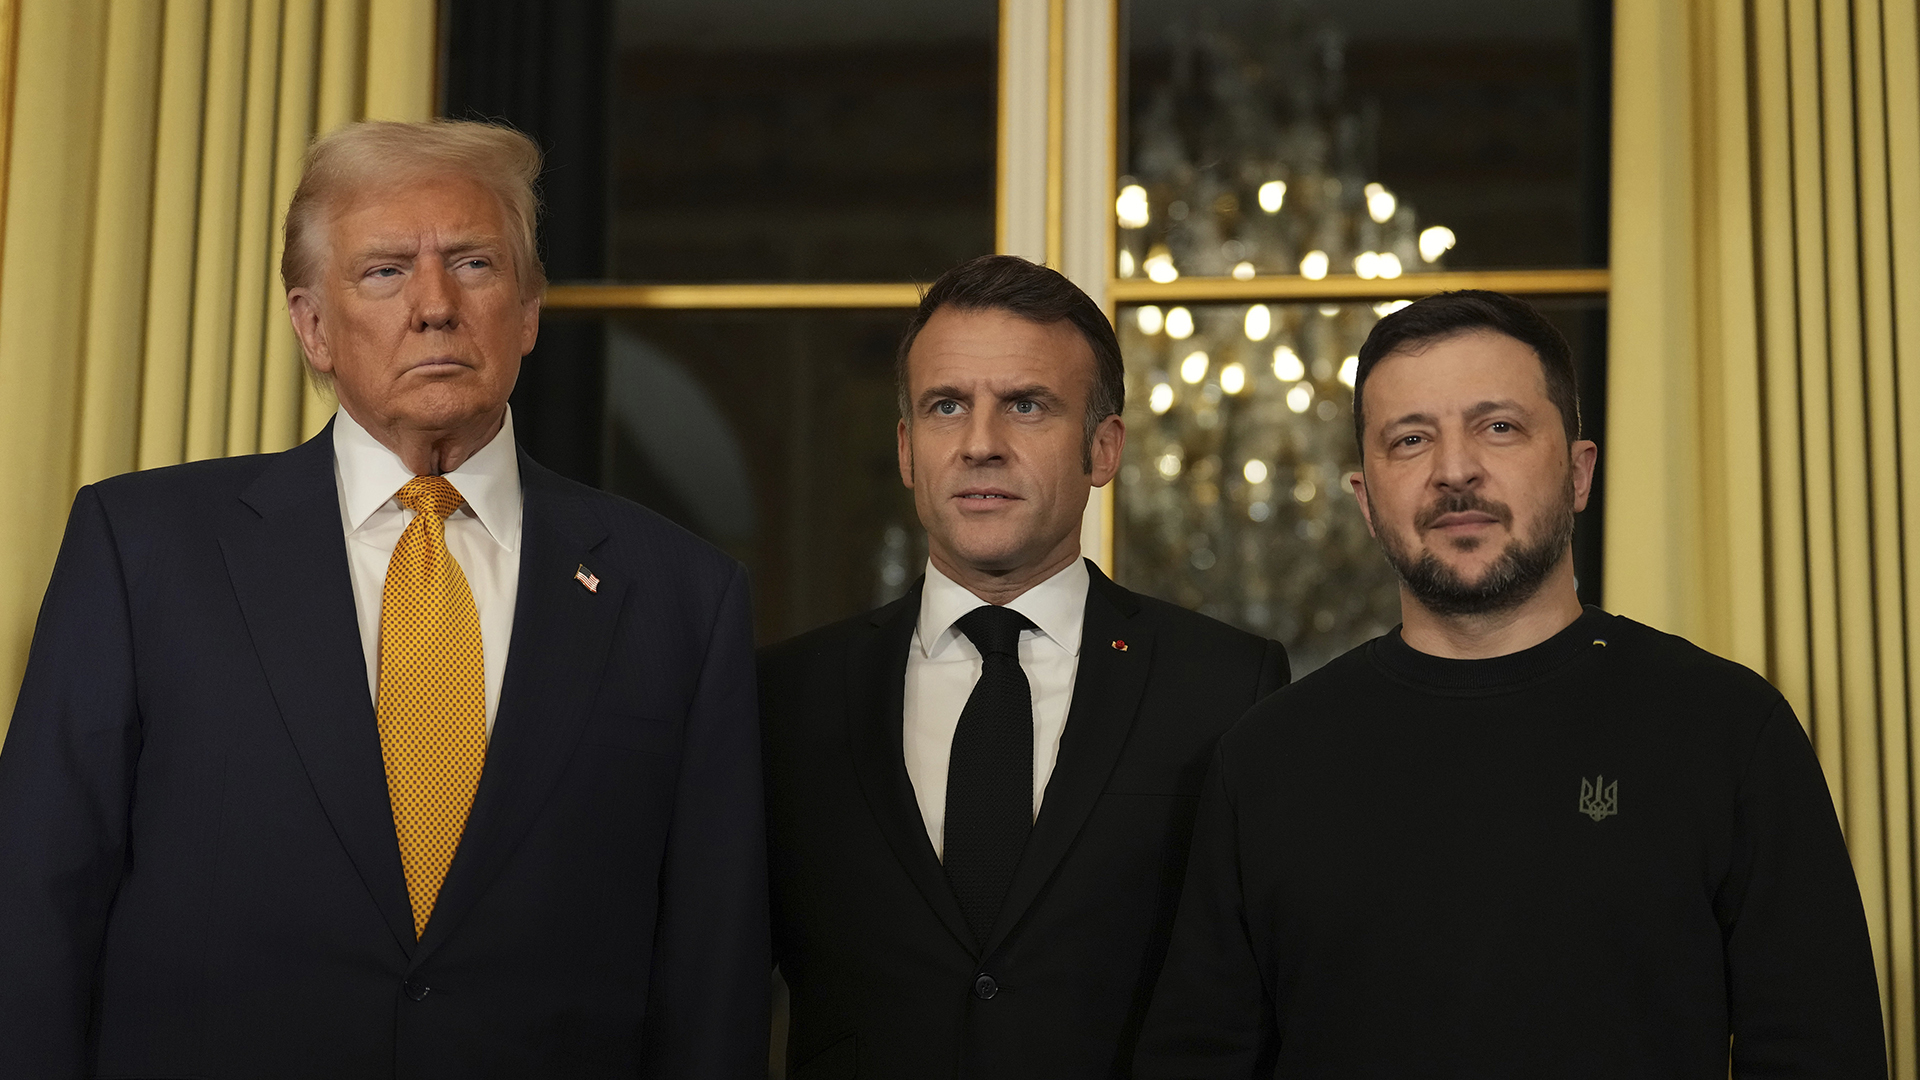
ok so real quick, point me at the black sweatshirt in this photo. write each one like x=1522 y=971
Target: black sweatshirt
x=1604 y=856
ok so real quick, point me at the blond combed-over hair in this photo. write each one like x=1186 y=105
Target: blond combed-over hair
x=381 y=153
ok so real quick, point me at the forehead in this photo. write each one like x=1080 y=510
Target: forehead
x=958 y=347
x=1454 y=374
x=433 y=206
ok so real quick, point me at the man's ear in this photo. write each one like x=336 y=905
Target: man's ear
x=303 y=310
x=529 y=325
x=1586 y=457
x=904 y=435
x=1109 y=439
x=1357 y=479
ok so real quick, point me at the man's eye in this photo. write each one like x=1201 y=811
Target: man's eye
x=477 y=263
x=1411 y=440
x=383 y=271
x=1026 y=408
x=1500 y=426
x=946 y=408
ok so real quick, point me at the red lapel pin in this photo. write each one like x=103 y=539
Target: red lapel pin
x=1120 y=645
x=585 y=577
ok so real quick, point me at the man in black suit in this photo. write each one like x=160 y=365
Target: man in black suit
x=395 y=754
x=980 y=796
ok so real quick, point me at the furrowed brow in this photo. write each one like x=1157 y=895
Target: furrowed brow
x=1031 y=393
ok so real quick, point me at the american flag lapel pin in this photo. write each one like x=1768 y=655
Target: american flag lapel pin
x=585 y=577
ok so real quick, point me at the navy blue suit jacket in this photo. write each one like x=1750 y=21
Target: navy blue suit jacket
x=198 y=869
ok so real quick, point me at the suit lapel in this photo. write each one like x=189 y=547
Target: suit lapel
x=1106 y=694
x=289 y=573
x=876 y=691
x=561 y=636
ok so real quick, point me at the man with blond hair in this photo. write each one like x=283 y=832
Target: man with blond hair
x=395 y=754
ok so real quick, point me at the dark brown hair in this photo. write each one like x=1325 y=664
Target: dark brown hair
x=1035 y=293
x=1448 y=314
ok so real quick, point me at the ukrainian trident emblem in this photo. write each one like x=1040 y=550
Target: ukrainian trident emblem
x=1599 y=800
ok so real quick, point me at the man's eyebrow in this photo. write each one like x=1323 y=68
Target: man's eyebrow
x=1410 y=418
x=1485 y=407
x=1036 y=392
x=936 y=393
x=410 y=249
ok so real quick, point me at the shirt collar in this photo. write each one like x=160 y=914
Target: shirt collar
x=368 y=475
x=1057 y=606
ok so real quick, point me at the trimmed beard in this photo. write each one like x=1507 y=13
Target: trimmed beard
x=1510 y=581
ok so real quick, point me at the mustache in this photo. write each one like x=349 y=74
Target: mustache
x=1462 y=502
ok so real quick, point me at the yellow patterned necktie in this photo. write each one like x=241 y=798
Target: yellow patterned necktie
x=433 y=693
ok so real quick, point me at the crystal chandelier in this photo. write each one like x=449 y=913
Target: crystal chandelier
x=1234 y=498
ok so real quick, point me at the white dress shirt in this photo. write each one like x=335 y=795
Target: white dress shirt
x=943 y=665
x=483 y=537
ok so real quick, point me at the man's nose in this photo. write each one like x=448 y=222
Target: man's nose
x=985 y=436
x=1456 y=464
x=436 y=297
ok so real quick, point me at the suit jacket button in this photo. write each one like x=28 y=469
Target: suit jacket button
x=984 y=987
x=415 y=989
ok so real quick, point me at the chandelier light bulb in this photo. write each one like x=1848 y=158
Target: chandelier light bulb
x=1300 y=398
x=1286 y=364
x=1435 y=241
x=1160 y=268
x=1388 y=265
x=1194 y=367
x=1149 y=319
x=1259 y=322
x=1272 y=194
x=1179 y=324
x=1160 y=398
x=1367 y=265
x=1380 y=203
x=1255 y=471
x=1233 y=378
x=1349 y=370
x=1243 y=271
x=1313 y=265
x=1131 y=207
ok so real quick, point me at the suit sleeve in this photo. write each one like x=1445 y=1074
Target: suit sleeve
x=1803 y=997
x=66 y=783
x=1212 y=1015
x=707 y=1008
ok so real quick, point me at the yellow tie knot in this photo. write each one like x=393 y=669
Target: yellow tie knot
x=430 y=495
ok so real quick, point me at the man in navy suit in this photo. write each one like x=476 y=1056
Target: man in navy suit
x=395 y=754
x=980 y=795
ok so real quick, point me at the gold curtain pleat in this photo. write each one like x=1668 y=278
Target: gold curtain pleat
x=1765 y=451
x=149 y=155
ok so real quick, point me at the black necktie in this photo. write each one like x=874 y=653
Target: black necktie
x=990 y=772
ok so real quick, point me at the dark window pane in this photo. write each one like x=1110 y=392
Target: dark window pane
x=745 y=140
x=1233 y=498
x=768 y=433
x=1263 y=131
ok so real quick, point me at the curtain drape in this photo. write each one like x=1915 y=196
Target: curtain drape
x=1764 y=386
x=153 y=148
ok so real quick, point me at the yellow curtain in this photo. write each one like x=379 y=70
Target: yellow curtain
x=1763 y=492
x=151 y=151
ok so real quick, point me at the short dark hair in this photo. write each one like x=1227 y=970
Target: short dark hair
x=1012 y=284
x=1449 y=314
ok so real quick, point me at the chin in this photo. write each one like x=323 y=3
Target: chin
x=990 y=552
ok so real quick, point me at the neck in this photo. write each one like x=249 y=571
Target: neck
x=1551 y=609
x=1005 y=586
x=432 y=451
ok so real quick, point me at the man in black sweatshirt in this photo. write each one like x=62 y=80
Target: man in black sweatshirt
x=1512 y=838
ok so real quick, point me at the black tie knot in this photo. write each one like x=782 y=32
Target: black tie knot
x=994 y=629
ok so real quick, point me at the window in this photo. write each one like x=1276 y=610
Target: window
x=743 y=195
